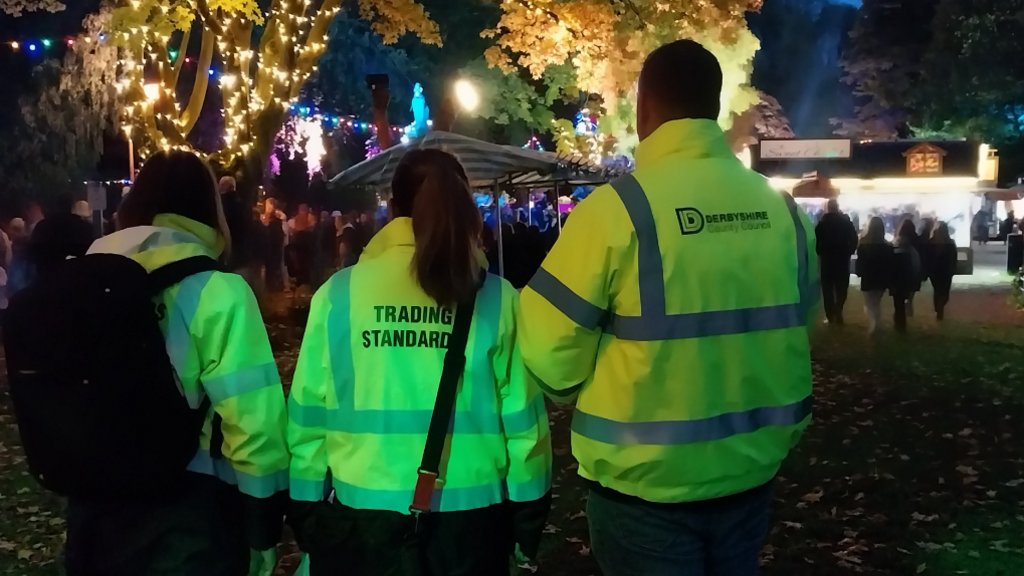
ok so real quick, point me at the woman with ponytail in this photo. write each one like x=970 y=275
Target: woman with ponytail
x=365 y=389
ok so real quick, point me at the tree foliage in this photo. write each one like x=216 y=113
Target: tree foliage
x=18 y=7
x=263 y=62
x=64 y=119
x=606 y=42
x=939 y=68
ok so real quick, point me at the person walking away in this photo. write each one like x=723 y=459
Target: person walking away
x=692 y=387
x=874 y=266
x=61 y=235
x=942 y=267
x=238 y=220
x=131 y=509
x=837 y=242
x=924 y=247
x=273 y=257
x=906 y=274
x=371 y=361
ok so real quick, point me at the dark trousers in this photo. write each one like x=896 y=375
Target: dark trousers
x=720 y=537
x=835 y=284
x=198 y=532
x=942 y=287
x=352 y=542
x=899 y=303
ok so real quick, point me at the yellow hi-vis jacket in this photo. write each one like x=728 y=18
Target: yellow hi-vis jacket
x=366 y=382
x=677 y=304
x=218 y=345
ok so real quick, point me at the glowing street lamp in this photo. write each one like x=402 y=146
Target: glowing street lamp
x=467 y=95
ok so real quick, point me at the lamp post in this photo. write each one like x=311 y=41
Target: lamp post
x=131 y=153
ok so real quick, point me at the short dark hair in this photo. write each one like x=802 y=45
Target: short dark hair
x=684 y=79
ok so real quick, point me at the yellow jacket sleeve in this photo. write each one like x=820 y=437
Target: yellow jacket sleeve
x=240 y=377
x=307 y=404
x=566 y=302
x=524 y=419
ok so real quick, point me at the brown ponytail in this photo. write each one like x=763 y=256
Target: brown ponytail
x=431 y=187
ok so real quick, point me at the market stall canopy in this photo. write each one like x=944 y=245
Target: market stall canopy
x=484 y=161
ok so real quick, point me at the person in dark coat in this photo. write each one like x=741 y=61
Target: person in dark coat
x=942 y=267
x=874 y=266
x=837 y=242
x=906 y=277
x=238 y=219
x=59 y=236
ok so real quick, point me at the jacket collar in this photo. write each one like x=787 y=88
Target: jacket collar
x=171 y=238
x=691 y=139
x=399 y=234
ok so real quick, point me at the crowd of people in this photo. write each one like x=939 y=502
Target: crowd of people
x=899 y=267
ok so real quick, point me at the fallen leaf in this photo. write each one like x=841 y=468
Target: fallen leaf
x=966 y=470
x=921 y=568
x=813 y=496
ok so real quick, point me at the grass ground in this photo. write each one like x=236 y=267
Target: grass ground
x=913 y=465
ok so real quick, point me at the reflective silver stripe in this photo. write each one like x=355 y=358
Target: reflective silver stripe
x=568 y=302
x=703 y=324
x=655 y=324
x=649 y=266
x=803 y=280
x=676 y=432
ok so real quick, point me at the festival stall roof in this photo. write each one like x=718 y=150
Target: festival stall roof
x=484 y=162
x=868 y=160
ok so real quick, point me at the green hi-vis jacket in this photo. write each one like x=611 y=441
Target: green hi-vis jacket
x=677 y=304
x=366 y=382
x=218 y=345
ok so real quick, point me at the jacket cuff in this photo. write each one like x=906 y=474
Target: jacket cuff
x=263 y=520
x=528 y=521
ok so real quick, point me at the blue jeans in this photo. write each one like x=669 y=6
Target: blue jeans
x=720 y=537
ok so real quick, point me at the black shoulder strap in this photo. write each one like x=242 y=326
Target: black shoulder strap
x=444 y=406
x=163 y=278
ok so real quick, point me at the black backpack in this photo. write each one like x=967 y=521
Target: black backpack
x=99 y=406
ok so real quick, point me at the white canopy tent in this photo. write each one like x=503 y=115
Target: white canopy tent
x=488 y=165
x=484 y=162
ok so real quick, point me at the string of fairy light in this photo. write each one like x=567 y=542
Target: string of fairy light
x=151 y=104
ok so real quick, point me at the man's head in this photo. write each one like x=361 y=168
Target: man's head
x=227 y=185
x=679 y=80
x=832 y=207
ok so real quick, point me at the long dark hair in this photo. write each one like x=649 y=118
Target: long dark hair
x=875 y=234
x=177 y=182
x=432 y=188
x=940 y=234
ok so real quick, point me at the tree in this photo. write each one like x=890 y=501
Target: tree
x=263 y=62
x=765 y=119
x=888 y=44
x=59 y=136
x=18 y=7
x=606 y=41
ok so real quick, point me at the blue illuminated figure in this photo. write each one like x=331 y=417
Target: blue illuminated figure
x=420 y=112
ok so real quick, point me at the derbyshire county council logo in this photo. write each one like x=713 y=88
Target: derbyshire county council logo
x=691 y=221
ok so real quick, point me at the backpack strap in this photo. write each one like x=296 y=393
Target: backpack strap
x=170 y=275
x=444 y=405
x=174 y=273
